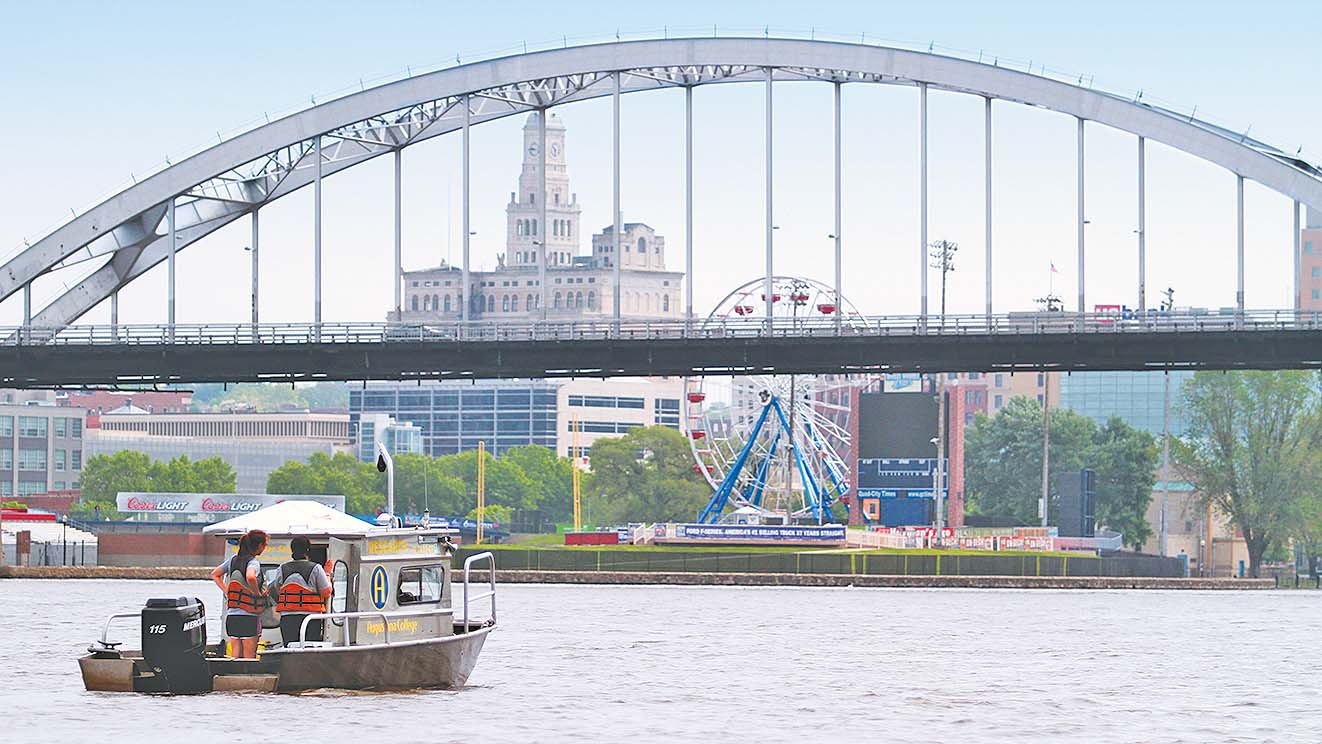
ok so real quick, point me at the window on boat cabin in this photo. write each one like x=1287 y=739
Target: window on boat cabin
x=340 y=585
x=419 y=585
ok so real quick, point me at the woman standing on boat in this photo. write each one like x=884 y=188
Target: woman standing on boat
x=239 y=577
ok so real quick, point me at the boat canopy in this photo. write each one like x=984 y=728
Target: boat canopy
x=295 y=518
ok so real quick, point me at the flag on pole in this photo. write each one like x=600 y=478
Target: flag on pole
x=1053 y=268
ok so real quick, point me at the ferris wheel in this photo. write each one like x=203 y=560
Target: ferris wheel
x=775 y=443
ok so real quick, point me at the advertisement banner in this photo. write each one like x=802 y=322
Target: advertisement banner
x=796 y=533
x=212 y=503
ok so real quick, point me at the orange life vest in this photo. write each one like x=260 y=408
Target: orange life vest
x=238 y=594
x=297 y=592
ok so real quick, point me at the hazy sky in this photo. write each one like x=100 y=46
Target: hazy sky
x=94 y=92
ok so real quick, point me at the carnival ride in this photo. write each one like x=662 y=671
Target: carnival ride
x=776 y=443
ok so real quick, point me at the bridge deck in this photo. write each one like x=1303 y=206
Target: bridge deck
x=101 y=355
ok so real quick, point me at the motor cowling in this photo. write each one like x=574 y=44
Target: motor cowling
x=174 y=640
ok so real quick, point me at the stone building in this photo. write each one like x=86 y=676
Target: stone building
x=577 y=286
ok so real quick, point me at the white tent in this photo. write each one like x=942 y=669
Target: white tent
x=294 y=518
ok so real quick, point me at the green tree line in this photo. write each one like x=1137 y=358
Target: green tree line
x=106 y=476
x=645 y=475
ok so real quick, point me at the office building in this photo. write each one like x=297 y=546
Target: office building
x=398 y=437
x=41 y=448
x=254 y=444
x=1310 y=262
x=578 y=287
x=1137 y=398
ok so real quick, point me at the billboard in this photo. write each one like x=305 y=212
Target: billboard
x=896 y=426
x=221 y=505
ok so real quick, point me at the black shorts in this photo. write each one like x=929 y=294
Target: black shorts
x=291 y=624
x=242 y=626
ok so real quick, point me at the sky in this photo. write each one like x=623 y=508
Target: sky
x=95 y=94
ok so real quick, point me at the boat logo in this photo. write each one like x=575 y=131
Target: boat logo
x=191 y=624
x=380 y=587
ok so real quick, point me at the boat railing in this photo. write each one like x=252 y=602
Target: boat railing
x=490 y=558
x=105 y=631
x=385 y=615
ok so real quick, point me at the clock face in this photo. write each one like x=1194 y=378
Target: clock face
x=555 y=150
x=532 y=149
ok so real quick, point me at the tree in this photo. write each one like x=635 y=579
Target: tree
x=550 y=476
x=106 y=476
x=341 y=474
x=1003 y=457
x=1125 y=463
x=646 y=475
x=423 y=484
x=1251 y=449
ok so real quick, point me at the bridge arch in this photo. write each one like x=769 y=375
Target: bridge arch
x=240 y=175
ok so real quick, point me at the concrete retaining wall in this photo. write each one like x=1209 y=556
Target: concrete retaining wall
x=508 y=576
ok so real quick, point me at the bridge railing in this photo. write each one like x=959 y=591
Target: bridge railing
x=479 y=331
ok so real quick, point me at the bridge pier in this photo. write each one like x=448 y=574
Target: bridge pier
x=839 y=302
x=987 y=207
x=615 y=196
x=922 y=202
x=1083 y=308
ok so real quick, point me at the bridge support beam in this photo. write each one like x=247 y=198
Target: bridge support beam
x=922 y=201
x=767 y=292
x=616 y=219
x=169 y=301
x=114 y=316
x=27 y=311
x=839 y=303
x=688 y=202
x=1142 y=227
x=316 y=242
x=987 y=205
x=544 y=238
x=1239 y=244
x=1083 y=308
x=466 y=292
x=255 y=276
x=1298 y=292
x=399 y=258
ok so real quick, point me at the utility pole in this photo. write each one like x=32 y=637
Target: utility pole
x=1165 y=461
x=943 y=258
x=481 y=487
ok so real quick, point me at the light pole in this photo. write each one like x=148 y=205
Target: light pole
x=943 y=258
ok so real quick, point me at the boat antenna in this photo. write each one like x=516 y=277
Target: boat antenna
x=386 y=464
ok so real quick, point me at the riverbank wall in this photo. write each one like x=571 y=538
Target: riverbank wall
x=697 y=578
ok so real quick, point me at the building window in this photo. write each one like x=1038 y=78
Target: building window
x=555 y=302
x=1041 y=378
x=32 y=459
x=1039 y=399
x=997 y=401
x=60 y=460
x=7 y=425
x=578 y=299
x=6 y=459
x=31 y=426
x=529 y=305
x=447 y=303
x=426 y=303
x=505 y=303
x=1315 y=294
x=592 y=300
x=75 y=460
x=491 y=303
x=1308 y=246
x=31 y=488
x=665 y=303
x=514 y=303
x=415 y=303
x=61 y=427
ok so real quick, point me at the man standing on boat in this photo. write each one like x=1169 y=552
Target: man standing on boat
x=303 y=590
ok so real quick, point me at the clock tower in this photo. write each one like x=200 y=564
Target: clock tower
x=524 y=211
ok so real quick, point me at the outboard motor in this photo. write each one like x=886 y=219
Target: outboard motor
x=174 y=640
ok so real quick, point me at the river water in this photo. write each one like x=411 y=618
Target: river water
x=653 y=663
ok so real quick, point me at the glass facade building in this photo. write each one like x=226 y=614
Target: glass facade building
x=454 y=416
x=1136 y=397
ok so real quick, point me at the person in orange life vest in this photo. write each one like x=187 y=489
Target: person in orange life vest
x=303 y=589
x=239 y=577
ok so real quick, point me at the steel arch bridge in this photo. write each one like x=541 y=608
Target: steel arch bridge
x=148 y=223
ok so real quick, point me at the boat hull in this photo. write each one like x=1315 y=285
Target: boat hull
x=444 y=662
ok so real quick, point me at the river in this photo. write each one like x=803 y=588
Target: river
x=653 y=663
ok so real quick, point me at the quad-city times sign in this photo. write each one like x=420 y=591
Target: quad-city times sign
x=190 y=506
